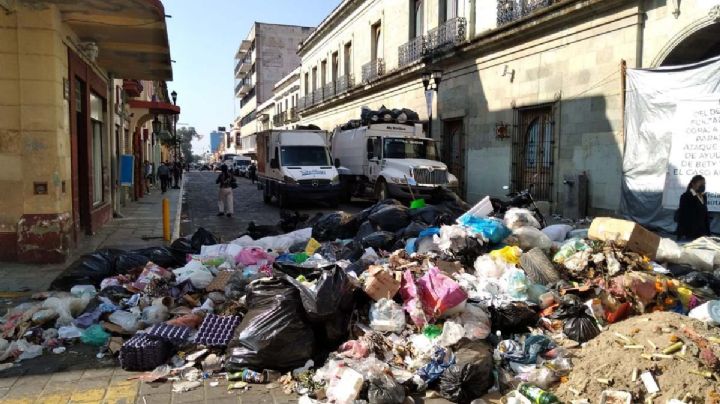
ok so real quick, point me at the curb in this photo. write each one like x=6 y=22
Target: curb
x=178 y=212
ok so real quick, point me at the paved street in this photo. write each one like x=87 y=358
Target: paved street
x=200 y=207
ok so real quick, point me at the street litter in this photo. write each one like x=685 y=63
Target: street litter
x=395 y=302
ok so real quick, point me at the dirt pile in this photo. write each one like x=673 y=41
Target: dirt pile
x=637 y=343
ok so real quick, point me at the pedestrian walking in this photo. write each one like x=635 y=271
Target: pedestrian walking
x=226 y=181
x=177 y=174
x=163 y=173
x=252 y=172
x=148 y=176
x=692 y=216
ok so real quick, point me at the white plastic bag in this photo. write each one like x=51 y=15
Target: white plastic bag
x=452 y=333
x=67 y=308
x=280 y=243
x=386 y=315
x=557 y=232
x=199 y=276
x=487 y=267
x=476 y=322
x=530 y=237
x=517 y=217
x=69 y=332
x=128 y=321
x=28 y=349
x=450 y=235
x=83 y=290
x=155 y=314
x=668 y=251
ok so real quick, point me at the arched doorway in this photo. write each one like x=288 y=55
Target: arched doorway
x=697 y=42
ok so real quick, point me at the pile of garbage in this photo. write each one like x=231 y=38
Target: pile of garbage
x=391 y=302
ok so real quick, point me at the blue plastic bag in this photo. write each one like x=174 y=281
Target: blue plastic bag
x=437 y=365
x=492 y=229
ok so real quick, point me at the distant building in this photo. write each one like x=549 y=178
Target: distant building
x=216 y=141
x=267 y=55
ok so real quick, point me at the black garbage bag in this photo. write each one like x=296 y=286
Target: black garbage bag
x=166 y=257
x=538 y=267
x=384 y=389
x=329 y=250
x=297 y=247
x=513 y=318
x=89 y=269
x=390 y=218
x=336 y=225
x=471 y=376
x=236 y=286
x=702 y=280
x=427 y=214
x=579 y=324
x=200 y=238
x=412 y=230
x=183 y=245
x=274 y=334
x=126 y=262
x=380 y=240
x=365 y=229
x=333 y=294
x=351 y=251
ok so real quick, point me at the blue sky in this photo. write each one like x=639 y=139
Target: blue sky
x=204 y=36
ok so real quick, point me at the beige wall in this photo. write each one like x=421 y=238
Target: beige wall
x=34 y=117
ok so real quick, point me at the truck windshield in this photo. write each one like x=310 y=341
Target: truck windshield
x=404 y=148
x=304 y=156
x=242 y=163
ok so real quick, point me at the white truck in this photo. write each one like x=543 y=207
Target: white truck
x=386 y=159
x=295 y=165
x=240 y=165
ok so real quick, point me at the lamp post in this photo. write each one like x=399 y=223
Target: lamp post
x=175 y=139
x=431 y=83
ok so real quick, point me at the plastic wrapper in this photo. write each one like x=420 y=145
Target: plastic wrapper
x=538 y=267
x=569 y=248
x=452 y=332
x=390 y=218
x=516 y=218
x=440 y=360
x=557 y=232
x=254 y=256
x=194 y=271
x=95 y=335
x=516 y=284
x=386 y=315
x=472 y=374
x=530 y=237
x=150 y=273
x=439 y=293
x=383 y=389
x=69 y=332
x=28 y=350
x=273 y=333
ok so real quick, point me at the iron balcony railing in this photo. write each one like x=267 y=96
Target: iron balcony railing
x=293 y=115
x=373 y=70
x=344 y=83
x=450 y=33
x=511 y=10
x=279 y=119
x=412 y=51
x=329 y=90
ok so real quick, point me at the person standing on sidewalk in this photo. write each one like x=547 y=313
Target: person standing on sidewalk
x=148 y=176
x=225 y=196
x=163 y=173
x=252 y=172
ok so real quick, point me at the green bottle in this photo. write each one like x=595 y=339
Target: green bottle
x=537 y=395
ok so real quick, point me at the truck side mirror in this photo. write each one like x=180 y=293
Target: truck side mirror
x=274 y=164
x=337 y=163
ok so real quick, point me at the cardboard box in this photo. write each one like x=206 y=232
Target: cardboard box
x=625 y=233
x=381 y=284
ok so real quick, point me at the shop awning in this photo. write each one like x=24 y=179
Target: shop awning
x=155 y=107
x=131 y=35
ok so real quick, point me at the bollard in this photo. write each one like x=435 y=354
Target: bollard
x=166 y=219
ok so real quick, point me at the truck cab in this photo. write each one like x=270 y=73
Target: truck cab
x=389 y=160
x=296 y=165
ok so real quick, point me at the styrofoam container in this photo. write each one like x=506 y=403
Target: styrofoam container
x=481 y=209
x=615 y=395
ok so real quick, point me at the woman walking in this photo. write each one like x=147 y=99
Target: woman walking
x=692 y=217
x=225 y=196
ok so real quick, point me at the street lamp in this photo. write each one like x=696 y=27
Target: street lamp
x=175 y=139
x=427 y=78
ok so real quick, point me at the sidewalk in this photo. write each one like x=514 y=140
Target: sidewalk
x=140 y=226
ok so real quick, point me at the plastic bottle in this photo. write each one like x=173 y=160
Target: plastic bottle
x=537 y=395
x=247 y=375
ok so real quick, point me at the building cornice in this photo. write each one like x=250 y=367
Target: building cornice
x=330 y=22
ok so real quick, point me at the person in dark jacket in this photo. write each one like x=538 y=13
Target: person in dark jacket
x=225 y=196
x=693 y=220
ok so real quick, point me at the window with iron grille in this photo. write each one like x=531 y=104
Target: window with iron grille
x=533 y=151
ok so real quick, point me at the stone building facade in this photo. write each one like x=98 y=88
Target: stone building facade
x=64 y=119
x=531 y=90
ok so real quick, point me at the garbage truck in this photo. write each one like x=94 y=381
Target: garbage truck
x=390 y=158
x=295 y=165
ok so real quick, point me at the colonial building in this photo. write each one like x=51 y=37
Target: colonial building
x=66 y=115
x=286 y=94
x=267 y=55
x=530 y=92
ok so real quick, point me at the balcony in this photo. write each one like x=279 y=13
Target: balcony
x=244 y=48
x=243 y=88
x=293 y=116
x=242 y=67
x=450 y=33
x=329 y=90
x=344 y=83
x=279 y=119
x=412 y=51
x=133 y=88
x=373 y=70
x=512 y=10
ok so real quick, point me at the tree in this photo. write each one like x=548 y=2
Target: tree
x=185 y=136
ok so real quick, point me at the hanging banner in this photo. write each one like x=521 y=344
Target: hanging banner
x=695 y=150
x=429 y=101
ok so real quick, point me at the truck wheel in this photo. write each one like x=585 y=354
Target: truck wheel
x=381 y=191
x=266 y=193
